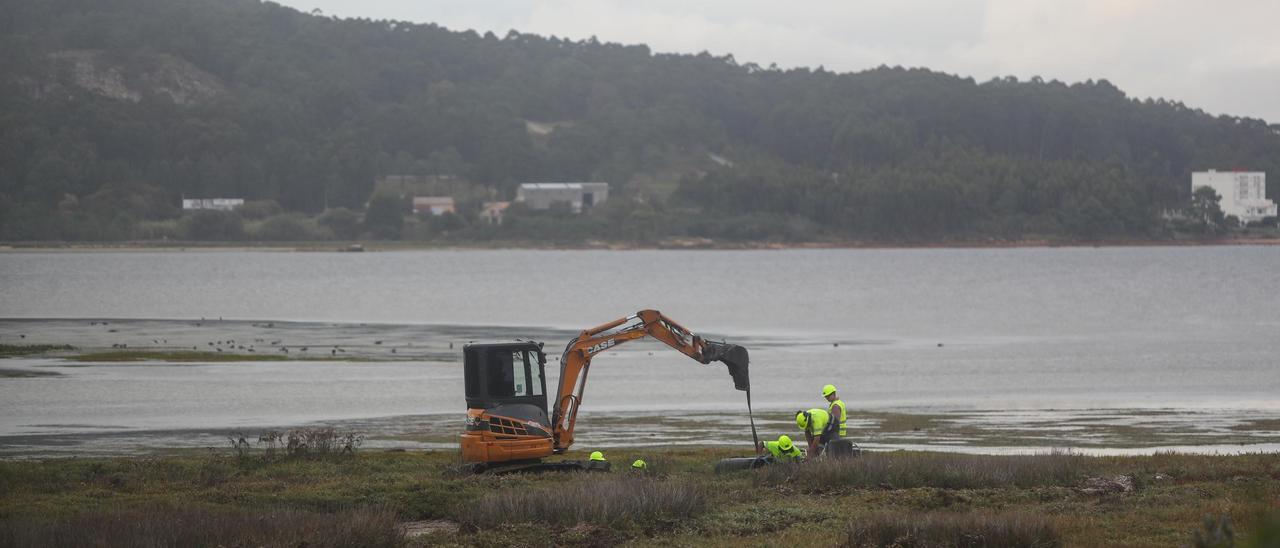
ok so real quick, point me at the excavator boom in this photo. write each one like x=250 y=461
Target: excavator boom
x=575 y=363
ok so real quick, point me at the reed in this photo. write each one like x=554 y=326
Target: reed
x=206 y=526
x=607 y=500
x=942 y=470
x=942 y=529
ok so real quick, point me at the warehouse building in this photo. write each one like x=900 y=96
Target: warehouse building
x=578 y=196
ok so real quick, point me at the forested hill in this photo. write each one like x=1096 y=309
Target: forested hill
x=111 y=110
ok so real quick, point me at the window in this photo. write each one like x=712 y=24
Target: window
x=502 y=376
x=535 y=375
x=520 y=370
x=513 y=373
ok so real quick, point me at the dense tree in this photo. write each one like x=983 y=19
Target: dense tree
x=385 y=218
x=1206 y=210
x=111 y=111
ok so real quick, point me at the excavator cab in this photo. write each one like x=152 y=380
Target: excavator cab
x=506 y=392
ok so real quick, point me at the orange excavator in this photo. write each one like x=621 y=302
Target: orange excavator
x=508 y=427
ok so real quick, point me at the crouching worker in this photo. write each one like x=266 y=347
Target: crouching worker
x=782 y=450
x=597 y=462
x=816 y=425
x=639 y=468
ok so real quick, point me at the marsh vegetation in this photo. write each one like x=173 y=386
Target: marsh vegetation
x=414 y=498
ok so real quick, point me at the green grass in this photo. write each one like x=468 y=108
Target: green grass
x=681 y=501
x=973 y=529
x=15 y=350
x=204 y=526
x=949 y=471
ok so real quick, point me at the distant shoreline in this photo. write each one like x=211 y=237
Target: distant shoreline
x=671 y=244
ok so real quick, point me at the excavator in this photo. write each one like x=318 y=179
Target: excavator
x=508 y=426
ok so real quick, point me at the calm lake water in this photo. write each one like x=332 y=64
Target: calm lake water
x=980 y=335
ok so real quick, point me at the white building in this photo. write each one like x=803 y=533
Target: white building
x=577 y=195
x=217 y=204
x=1244 y=193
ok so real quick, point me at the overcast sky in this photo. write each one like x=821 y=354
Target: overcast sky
x=1222 y=56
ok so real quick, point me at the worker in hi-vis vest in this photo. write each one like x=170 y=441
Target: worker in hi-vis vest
x=782 y=450
x=816 y=425
x=839 y=414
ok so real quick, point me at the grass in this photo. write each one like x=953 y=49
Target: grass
x=15 y=350
x=978 y=529
x=595 y=499
x=949 y=471
x=931 y=498
x=199 y=526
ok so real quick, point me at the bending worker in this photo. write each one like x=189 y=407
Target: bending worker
x=597 y=462
x=782 y=450
x=837 y=411
x=817 y=427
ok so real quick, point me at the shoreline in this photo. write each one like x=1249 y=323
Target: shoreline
x=670 y=245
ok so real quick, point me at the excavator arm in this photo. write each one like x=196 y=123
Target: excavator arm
x=575 y=363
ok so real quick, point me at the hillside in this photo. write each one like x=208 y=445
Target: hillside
x=112 y=110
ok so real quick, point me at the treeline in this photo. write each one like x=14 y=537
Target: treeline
x=111 y=111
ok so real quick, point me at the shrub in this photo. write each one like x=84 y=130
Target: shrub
x=952 y=530
x=606 y=500
x=213 y=225
x=289 y=227
x=1216 y=533
x=304 y=442
x=344 y=223
x=170 y=526
x=385 y=216
x=159 y=230
x=951 y=471
x=259 y=209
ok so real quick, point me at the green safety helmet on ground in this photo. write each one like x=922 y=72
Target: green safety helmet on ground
x=828 y=390
x=596 y=455
x=802 y=420
x=639 y=465
x=784 y=442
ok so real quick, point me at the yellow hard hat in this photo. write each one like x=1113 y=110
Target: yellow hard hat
x=784 y=442
x=828 y=390
x=639 y=465
x=596 y=455
x=801 y=420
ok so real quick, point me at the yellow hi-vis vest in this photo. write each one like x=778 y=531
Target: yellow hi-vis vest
x=818 y=419
x=779 y=454
x=844 y=417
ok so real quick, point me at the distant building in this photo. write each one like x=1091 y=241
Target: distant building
x=216 y=204
x=578 y=196
x=436 y=205
x=1244 y=193
x=492 y=212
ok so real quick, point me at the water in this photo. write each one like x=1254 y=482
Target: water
x=970 y=334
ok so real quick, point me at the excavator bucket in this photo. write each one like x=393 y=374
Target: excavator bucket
x=733 y=356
